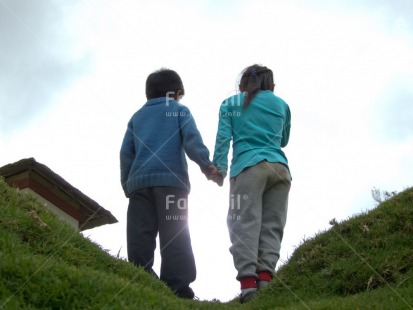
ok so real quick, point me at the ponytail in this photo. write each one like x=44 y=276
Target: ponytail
x=254 y=79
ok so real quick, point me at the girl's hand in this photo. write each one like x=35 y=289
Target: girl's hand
x=214 y=175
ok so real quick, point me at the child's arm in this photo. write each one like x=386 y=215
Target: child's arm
x=223 y=139
x=192 y=141
x=127 y=155
x=286 y=129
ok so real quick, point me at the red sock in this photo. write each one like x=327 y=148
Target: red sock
x=248 y=282
x=264 y=276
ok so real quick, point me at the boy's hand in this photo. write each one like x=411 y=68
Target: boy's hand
x=218 y=178
x=210 y=172
x=214 y=175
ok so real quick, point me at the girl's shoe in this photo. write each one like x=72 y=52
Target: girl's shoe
x=248 y=296
x=262 y=284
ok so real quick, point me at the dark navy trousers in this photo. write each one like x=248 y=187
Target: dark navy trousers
x=162 y=210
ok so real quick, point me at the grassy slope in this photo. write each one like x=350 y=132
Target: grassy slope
x=365 y=260
x=46 y=264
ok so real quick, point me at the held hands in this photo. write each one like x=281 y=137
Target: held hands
x=213 y=174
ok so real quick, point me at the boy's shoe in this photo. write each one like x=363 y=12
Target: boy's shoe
x=152 y=272
x=185 y=292
x=247 y=297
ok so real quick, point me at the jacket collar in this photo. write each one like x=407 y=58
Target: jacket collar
x=160 y=100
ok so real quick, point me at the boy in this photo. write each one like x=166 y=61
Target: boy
x=154 y=176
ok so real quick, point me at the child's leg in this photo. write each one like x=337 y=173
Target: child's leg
x=142 y=228
x=178 y=264
x=274 y=216
x=244 y=221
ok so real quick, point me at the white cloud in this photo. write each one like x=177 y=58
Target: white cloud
x=37 y=60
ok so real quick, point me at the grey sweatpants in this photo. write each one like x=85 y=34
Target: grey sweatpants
x=257 y=216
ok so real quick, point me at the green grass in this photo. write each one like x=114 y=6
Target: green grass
x=363 y=262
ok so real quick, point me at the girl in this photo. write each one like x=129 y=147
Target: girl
x=258 y=123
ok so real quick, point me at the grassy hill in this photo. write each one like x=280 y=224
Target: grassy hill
x=362 y=262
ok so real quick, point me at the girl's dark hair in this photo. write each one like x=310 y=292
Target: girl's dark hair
x=163 y=83
x=255 y=78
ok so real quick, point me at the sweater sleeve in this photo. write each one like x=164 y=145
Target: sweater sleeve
x=192 y=141
x=287 y=127
x=223 y=139
x=127 y=155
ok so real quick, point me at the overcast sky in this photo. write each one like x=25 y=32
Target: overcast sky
x=72 y=75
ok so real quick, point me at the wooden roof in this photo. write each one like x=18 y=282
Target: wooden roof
x=28 y=173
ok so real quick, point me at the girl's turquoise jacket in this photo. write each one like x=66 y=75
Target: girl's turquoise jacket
x=258 y=132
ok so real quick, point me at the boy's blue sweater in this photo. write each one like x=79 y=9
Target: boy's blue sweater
x=153 y=149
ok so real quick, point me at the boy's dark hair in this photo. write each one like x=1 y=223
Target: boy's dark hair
x=163 y=83
x=255 y=78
